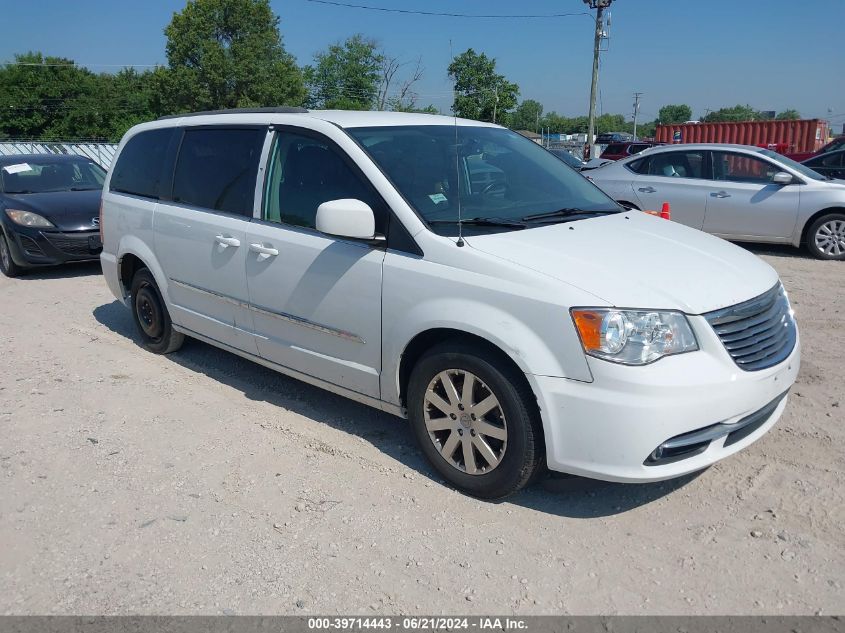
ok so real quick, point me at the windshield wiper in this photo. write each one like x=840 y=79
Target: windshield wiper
x=516 y=224
x=83 y=188
x=21 y=191
x=562 y=213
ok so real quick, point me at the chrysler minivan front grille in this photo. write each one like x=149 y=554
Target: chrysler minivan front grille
x=758 y=333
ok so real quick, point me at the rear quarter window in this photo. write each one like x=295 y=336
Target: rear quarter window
x=138 y=169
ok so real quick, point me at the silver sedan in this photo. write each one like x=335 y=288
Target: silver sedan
x=737 y=192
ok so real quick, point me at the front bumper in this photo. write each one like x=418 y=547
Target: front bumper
x=41 y=247
x=611 y=427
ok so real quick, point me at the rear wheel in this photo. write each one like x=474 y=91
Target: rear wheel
x=7 y=264
x=151 y=316
x=826 y=237
x=475 y=420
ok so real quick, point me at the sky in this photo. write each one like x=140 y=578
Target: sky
x=771 y=54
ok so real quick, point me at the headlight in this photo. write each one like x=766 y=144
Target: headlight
x=28 y=218
x=633 y=337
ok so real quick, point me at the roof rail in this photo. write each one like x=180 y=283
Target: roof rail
x=271 y=110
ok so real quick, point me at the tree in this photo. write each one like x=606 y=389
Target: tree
x=788 y=115
x=480 y=92
x=669 y=114
x=228 y=54
x=527 y=115
x=346 y=75
x=736 y=113
x=646 y=129
x=405 y=98
x=611 y=123
x=36 y=91
x=53 y=98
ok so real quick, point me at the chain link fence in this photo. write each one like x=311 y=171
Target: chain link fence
x=101 y=153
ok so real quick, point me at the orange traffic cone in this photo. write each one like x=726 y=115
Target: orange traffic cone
x=666 y=212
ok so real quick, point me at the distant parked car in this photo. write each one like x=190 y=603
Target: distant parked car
x=835 y=144
x=49 y=211
x=613 y=137
x=737 y=192
x=568 y=158
x=831 y=164
x=618 y=151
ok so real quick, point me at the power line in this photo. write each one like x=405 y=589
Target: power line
x=444 y=15
x=80 y=65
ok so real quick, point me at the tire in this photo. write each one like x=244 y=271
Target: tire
x=151 y=316
x=7 y=264
x=509 y=434
x=826 y=237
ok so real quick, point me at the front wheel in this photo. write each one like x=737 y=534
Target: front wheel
x=826 y=237
x=475 y=420
x=151 y=316
x=7 y=264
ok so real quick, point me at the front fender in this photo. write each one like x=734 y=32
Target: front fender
x=514 y=335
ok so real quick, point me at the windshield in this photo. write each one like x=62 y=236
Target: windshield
x=801 y=169
x=46 y=175
x=490 y=174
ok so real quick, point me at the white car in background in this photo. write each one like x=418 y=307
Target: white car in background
x=737 y=192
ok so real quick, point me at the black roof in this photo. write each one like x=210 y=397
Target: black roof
x=272 y=110
x=13 y=159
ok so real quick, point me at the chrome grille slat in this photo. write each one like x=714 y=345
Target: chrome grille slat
x=771 y=342
x=760 y=351
x=745 y=309
x=757 y=319
x=758 y=333
x=770 y=332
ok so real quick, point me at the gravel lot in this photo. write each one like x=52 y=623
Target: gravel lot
x=202 y=483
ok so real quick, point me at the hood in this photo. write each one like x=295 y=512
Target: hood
x=68 y=210
x=634 y=260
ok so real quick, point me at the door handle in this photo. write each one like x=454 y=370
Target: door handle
x=647 y=190
x=720 y=194
x=226 y=241
x=263 y=251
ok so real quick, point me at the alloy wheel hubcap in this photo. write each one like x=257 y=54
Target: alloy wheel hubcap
x=465 y=421
x=830 y=238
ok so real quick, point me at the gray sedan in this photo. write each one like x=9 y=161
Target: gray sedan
x=737 y=192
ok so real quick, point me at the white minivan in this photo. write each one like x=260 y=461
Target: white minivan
x=454 y=273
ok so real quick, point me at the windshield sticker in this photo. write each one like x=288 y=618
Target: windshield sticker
x=14 y=169
x=437 y=198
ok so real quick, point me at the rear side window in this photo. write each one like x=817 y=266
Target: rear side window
x=639 y=166
x=680 y=164
x=139 y=167
x=217 y=168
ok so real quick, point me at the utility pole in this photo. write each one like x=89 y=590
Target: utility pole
x=637 y=96
x=600 y=6
x=496 y=102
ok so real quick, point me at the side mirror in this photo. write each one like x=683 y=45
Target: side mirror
x=782 y=178
x=348 y=218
